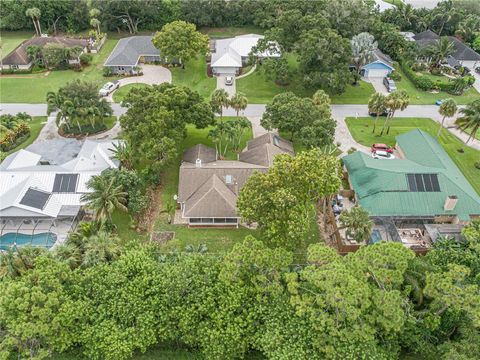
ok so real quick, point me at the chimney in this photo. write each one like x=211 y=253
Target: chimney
x=198 y=163
x=450 y=203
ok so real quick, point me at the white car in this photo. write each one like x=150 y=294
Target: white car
x=382 y=155
x=109 y=87
x=229 y=80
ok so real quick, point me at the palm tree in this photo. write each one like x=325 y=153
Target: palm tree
x=10 y=264
x=397 y=100
x=239 y=102
x=69 y=253
x=35 y=13
x=95 y=23
x=123 y=153
x=105 y=197
x=376 y=104
x=219 y=100
x=438 y=53
x=100 y=247
x=357 y=224
x=470 y=120
x=363 y=50
x=448 y=108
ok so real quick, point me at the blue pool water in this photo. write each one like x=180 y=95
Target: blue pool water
x=375 y=237
x=45 y=240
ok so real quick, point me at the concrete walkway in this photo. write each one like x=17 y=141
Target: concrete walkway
x=152 y=75
x=248 y=73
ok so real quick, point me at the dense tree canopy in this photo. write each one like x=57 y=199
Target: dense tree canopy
x=307 y=120
x=156 y=119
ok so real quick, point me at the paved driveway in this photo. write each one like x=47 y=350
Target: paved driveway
x=152 y=75
x=231 y=89
x=377 y=83
x=476 y=84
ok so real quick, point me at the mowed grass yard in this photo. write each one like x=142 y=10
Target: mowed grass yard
x=11 y=39
x=33 y=88
x=194 y=76
x=361 y=130
x=37 y=123
x=420 y=97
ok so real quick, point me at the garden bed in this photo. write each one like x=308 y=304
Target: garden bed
x=86 y=129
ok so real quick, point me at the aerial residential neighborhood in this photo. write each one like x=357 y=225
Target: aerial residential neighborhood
x=240 y=179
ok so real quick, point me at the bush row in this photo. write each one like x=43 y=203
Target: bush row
x=84 y=129
x=13 y=137
x=455 y=87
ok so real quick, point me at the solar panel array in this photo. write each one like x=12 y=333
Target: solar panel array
x=35 y=198
x=65 y=183
x=423 y=182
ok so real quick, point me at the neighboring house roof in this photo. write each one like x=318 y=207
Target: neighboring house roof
x=128 y=50
x=210 y=189
x=19 y=55
x=382 y=186
x=462 y=51
x=379 y=56
x=229 y=52
x=28 y=188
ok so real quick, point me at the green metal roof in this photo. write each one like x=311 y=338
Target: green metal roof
x=382 y=189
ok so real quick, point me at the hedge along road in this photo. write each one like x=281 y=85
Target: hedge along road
x=339 y=112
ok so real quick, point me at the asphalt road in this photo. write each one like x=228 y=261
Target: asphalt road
x=339 y=112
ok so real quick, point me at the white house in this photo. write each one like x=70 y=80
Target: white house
x=34 y=197
x=230 y=55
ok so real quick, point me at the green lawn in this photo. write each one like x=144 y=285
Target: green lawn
x=11 y=39
x=195 y=77
x=361 y=130
x=120 y=93
x=358 y=94
x=32 y=88
x=36 y=125
x=420 y=97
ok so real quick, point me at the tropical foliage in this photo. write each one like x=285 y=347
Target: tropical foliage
x=13 y=130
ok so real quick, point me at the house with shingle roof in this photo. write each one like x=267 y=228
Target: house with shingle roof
x=130 y=52
x=208 y=188
x=463 y=55
x=423 y=184
x=18 y=58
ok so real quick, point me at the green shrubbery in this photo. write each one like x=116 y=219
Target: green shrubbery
x=83 y=129
x=451 y=86
x=13 y=130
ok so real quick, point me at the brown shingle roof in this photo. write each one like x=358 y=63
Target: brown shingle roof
x=270 y=138
x=205 y=191
x=200 y=151
x=212 y=199
x=19 y=56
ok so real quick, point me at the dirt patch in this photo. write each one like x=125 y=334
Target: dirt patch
x=162 y=237
x=151 y=213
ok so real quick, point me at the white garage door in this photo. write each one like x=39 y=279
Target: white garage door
x=377 y=73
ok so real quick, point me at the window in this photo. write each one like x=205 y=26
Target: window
x=276 y=141
x=228 y=179
x=423 y=182
x=65 y=183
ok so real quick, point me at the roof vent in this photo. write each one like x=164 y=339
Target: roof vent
x=198 y=163
x=450 y=203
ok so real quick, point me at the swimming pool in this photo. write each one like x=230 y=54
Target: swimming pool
x=375 y=237
x=45 y=240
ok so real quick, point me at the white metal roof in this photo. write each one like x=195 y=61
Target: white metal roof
x=229 y=52
x=21 y=171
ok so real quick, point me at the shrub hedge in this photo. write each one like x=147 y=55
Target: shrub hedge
x=13 y=137
x=85 y=129
x=426 y=84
